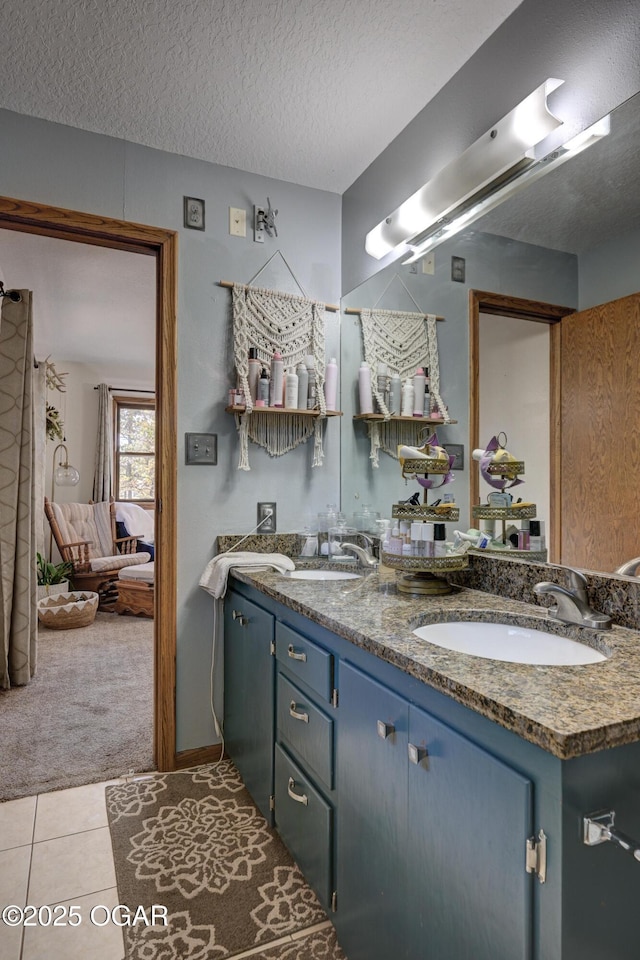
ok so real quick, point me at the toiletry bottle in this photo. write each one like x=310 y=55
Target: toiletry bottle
x=536 y=535
x=364 y=388
x=262 y=396
x=418 y=392
x=303 y=386
x=291 y=390
x=407 y=398
x=428 y=546
x=416 y=538
x=312 y=398
x=254 y=373
x=395 y=395
x=427 y=401
x=523 y=536
x=439 y=537
x=331 y=384
x=395 y=543
x=382 y=384
x=277 y=378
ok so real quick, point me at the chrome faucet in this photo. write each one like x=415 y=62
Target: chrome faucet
x=572 y=605
x=365 y=558
x=630 y=568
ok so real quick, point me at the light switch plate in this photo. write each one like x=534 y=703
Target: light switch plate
x=237 y=222
x=201 y=448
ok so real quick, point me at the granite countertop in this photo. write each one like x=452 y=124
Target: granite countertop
x=567 y=710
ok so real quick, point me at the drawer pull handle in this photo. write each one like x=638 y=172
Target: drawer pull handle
x=417 y=754
x=296 y=656
x=298 y=797
x=385 y=730
x=297 y=714
x=240 y=617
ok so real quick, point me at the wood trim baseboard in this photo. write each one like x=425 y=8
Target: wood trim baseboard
x=38 y=218
x=198 y=756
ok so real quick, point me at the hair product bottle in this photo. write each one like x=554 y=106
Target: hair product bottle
x=277 y=377
x=364 y=388
x=419 y=382
x=254 y=372
x=291 y=390
x=311 y=372
x=303 y=386
x=407 y=398
x=262 y=397
x=395 y=395
x=331 y=384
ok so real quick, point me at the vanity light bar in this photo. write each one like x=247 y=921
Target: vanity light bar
x=423 y=244
x=502 y=152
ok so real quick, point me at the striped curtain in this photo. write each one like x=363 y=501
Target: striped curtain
x=104 y=460
x=19 y=512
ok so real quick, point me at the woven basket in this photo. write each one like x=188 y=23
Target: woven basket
x=67 y=610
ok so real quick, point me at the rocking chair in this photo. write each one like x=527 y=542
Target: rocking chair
x=85 y=535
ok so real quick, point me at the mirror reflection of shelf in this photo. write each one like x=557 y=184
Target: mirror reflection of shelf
x=419 y=421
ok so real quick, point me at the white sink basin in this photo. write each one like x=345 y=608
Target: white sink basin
x=502 y=641
x=322 y=575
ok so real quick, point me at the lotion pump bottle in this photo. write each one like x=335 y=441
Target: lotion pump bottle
x=277 y=377
x=407 y=398
x=263 y=388
x=331 y=384
x=395 y=395
x=291 y=390
x=364 y=388
x=303 y=386
x=419 y=382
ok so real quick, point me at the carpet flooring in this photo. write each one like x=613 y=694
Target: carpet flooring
x=87 y=714
x=195 y=843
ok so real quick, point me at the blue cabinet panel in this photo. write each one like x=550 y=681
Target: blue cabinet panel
x=305 y=660
x=306 y=730
x=371 y=780
x=304 y=820
x=249 y=694
x=469 y=819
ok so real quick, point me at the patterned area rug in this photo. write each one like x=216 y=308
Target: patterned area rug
x=195 y=843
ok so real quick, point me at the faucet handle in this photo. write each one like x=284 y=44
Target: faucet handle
x=578 y=583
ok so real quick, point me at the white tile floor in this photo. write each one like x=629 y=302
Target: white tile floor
x=55 y=849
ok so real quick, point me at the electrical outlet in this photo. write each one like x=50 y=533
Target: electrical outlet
x=267 y=512
x=237 y=222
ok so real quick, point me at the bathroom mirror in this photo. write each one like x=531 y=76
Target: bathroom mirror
x=572 y=239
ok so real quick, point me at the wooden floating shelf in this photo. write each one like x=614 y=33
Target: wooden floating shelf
x=278 y=411
x=395 y=419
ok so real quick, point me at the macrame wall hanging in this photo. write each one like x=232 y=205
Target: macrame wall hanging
x=404 y=341
x=294 y=326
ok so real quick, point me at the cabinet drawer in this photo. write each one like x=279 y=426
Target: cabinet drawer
x=304 y=820
x=305 y=660
x=305 y=729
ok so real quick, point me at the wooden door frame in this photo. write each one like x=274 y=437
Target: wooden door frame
x=481 y=301
x=47 y=221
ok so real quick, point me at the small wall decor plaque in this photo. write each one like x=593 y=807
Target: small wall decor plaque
x=193 y=213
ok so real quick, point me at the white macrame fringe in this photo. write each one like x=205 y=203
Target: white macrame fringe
x=294 y=326
x=388 y=435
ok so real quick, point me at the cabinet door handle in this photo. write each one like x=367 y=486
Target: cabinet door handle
x=297 y=714
x=298 y=797
x=291 y=652
x=240 y=617
x=385 y=729
x=417 y=754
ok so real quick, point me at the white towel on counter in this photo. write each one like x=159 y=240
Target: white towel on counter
x=214 y=578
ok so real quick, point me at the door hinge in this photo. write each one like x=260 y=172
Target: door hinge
x=536 y=856
x=334 y=697
x=272 y=802
x=272 y=648
x=334 y=901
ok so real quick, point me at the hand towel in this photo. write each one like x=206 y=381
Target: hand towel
x=214 y=577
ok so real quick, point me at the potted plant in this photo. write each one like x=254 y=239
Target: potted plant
x=52 y=577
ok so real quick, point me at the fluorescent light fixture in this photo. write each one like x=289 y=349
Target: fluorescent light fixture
x=418 y=246
x=503 y=152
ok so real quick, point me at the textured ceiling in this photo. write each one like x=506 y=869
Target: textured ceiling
x=307 y=91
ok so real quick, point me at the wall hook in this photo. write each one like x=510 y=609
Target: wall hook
x=264 y=221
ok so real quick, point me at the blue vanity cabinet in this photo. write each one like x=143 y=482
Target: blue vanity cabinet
x=431 y=836
x=372 y=882
x=249 y=695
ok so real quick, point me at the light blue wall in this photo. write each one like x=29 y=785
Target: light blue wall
x=591 y=45
x=62 y=166
x=610 y=270
x=493 y=264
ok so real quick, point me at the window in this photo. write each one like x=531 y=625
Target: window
x=135 y=443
